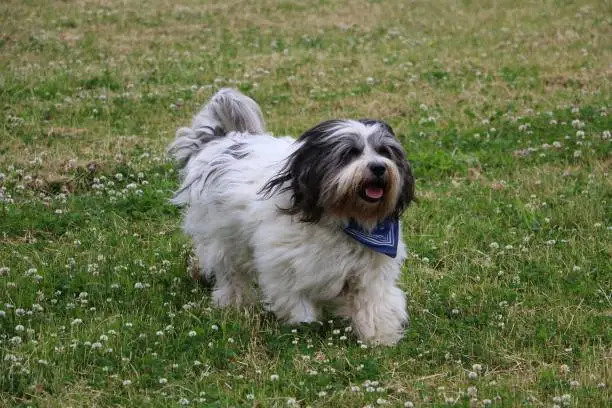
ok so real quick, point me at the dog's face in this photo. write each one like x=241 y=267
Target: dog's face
x=350 y=169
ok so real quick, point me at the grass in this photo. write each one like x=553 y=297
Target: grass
x=504 y=111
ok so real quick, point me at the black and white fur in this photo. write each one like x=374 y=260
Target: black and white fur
x=272 y=210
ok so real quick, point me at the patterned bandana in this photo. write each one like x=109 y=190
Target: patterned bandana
x=383 y=238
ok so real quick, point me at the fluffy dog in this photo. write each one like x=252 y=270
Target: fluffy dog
x=313 y=221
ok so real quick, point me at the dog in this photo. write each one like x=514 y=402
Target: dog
x=303 y=224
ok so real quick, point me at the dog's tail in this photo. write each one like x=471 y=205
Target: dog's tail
x=227 y=111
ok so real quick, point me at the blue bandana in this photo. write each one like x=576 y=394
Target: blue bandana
x=383 y=238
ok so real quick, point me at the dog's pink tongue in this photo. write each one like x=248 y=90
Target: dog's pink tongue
x=374 y=192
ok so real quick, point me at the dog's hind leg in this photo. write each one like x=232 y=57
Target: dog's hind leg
x=292 y=307
x=232 y=285
x=232 y=288
x=296 y=309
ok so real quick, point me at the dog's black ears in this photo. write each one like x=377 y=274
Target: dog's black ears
x=301 y=175
x=407 y=194
x=303 y=172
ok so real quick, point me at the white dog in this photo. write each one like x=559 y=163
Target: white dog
x=313 y=221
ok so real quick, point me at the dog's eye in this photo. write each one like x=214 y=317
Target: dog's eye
x=353 y=152
x=384 y=151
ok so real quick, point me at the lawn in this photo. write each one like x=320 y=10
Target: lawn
x=503 y=107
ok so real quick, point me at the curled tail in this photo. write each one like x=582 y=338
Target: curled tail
x=227 y=111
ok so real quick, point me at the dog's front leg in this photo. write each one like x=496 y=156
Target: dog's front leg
x=377 y=309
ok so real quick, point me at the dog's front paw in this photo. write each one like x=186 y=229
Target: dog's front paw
x=381 y=320
x=379 y=331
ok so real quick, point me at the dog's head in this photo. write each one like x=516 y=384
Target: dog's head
x=349 y=169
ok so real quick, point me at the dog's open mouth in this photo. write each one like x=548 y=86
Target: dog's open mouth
x=373 y=192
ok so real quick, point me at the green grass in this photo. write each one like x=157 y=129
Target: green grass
x=503 y=108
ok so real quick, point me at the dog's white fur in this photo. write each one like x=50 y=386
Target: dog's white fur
x=240 y=237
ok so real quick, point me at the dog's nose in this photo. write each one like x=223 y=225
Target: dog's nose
x=378 y=169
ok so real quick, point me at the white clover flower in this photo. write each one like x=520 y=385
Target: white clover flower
x=214 y=327
x=574 y=384
x=564 y=368
x=382 y=401
x=4 y=271
x=96 y=345
x=274 y=377
x=478 y=367
x=355 y=388
x=19 y=328
x=250 y=397
x=138 y=285
x=292 y=402
x=472 y=391
x=494 y=245
x=486 y=402
x=76 y=321
x=577 y=123
x=192 y=333
x=163 y=381
x=322 y=393
x=16 y=340
x=472 y=375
